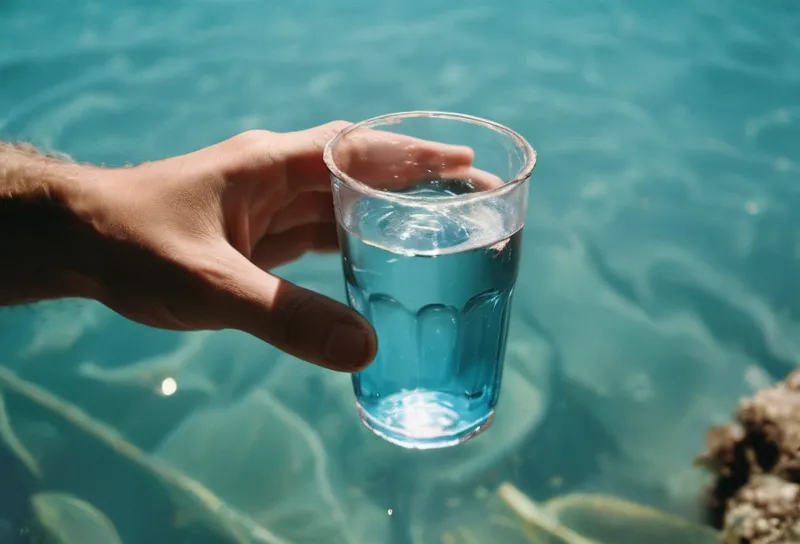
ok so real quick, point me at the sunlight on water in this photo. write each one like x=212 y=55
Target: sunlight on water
x=658 y=279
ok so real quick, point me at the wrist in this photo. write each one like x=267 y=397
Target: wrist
x=44 y=243
x=75 y=190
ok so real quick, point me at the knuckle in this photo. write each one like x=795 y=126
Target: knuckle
x=251 y=138
x=331 y=129
x=337 y=126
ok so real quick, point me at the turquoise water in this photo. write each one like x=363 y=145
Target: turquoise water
x=659 y=279
x=437 y=286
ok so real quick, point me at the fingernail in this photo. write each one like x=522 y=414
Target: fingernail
x=347 y=346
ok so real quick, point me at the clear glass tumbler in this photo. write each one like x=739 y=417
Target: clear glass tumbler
x=430 y=208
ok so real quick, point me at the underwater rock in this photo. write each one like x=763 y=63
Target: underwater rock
x=756 y=463
x=765 y=511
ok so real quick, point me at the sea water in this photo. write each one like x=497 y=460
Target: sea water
x=436 y=284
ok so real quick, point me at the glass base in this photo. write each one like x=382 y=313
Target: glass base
x=424 y=420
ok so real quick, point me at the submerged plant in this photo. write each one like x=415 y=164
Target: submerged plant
x=13 y=444
x=104 y=451
x=268 y=462
x=602 y=519
x=66 y=519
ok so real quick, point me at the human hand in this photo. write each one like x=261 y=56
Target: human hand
x=186 y=243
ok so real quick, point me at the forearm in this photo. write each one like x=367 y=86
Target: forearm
x=41 y=238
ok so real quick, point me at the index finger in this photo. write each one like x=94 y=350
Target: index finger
x=378 y=158
x=391 y=162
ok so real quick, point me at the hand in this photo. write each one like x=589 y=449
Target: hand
x=185 y=243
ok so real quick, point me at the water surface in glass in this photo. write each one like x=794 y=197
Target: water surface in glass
x=660 y=262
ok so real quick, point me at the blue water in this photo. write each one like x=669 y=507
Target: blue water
x=658 y=280
x=436 y=284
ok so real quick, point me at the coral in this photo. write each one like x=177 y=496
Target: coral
x=755 y=497
x=765 y=511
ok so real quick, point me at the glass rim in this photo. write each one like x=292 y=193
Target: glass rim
x=520 y=177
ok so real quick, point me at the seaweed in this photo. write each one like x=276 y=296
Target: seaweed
x=97 y=465
x=13 y=444
x=277 y=471
x=602 y=519
x=66 y=519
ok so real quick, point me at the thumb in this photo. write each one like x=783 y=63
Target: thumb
x=301 y=322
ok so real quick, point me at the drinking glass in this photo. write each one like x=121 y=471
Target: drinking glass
x=430 y=208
